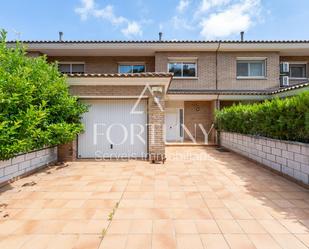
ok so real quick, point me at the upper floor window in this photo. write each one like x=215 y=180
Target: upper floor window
x=183 y=69
x=251 y=68
x=298 y=70
x=132 y=68
x=71 y=67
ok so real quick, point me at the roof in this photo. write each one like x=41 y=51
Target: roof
x=165 y=41
x=121 y=75
x=239 y=92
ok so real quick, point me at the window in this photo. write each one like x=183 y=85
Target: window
x=68 y=67
x=183 y=69
x=133 y=68
x=251 y=68
x=298 y=70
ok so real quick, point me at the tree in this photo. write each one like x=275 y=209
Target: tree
x=36 y=108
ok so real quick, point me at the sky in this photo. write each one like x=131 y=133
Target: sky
x=143 y=19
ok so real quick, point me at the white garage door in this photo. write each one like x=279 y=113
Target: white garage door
x=112 y=130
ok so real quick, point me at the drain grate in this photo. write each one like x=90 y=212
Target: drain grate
x=222 y=149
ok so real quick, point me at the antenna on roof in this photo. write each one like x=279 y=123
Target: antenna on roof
x=60 y=36
x=242 y=33
x=160 y=36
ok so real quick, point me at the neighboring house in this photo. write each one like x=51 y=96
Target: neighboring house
x=186 y=82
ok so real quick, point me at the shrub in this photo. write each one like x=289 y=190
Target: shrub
x=36 y=109
x=286 y=119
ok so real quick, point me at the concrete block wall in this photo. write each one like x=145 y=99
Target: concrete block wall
x=24 y=163
x=287 y=157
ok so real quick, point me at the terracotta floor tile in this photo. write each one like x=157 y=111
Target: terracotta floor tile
x=288 y=241
x=263 y=241
x=273 y=227
x=63 y=242
x=221 y=213
x=229 y=226
x=141 y=227
x=38 y=241
x=138 y=241
x=111 y=241
x=88 y=242
x=187 y=241
x=187 y=201
x=14 y=242
x=239 y=241
x=251 y=226
x=119 y=227
x=303 y=238
x=294 y=226
x=214 y=241
x=163 y=227
x=207 y=226
x=163 y=241
x=185 y=227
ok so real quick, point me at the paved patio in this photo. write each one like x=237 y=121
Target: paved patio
x=211 y=200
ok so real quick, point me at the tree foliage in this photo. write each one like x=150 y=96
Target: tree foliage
x=286 y=119
x=36 y=109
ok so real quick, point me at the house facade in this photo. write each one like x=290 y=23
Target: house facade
x=143 y=95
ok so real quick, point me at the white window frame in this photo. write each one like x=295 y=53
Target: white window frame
x=300 y=63
x=184 y=60
x=252 y=59
x=72 y=63
x=132 y=64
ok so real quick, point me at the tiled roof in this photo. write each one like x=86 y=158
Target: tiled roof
x=120 y=75
x=240 y=92
x=167 y=41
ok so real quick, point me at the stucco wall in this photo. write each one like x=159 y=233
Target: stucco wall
x=286 y=157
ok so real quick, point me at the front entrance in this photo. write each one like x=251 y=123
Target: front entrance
x=174 y=124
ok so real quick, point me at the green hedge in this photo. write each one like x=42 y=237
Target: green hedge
x=36 y=109
x=286 y=119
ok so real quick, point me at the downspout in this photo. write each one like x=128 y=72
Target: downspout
x=217 y=136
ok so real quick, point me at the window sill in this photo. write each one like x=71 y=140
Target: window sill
x=251 y=78
x=185 y=78
x=296 y=78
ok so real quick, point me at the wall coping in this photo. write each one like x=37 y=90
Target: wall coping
x=270 y=139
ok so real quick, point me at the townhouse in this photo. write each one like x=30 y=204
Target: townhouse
x=145 y=94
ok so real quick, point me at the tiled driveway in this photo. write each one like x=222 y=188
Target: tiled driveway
x=221 y=201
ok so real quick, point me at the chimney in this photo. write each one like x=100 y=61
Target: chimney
x=160 y=36
x=242 y=33
x=60 y=36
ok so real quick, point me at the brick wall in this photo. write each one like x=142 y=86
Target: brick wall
x=198 y=112
x=26 y=163
x=206 y=62
x=106 y=64
x=286 y=157
x=227 y=71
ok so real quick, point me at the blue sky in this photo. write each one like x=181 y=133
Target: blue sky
x=143 y=19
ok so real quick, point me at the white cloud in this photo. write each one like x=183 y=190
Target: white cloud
x=181 y=23
x=183 y=5
x=133 y=29
x=208 y=4
x=235 y=18
x=89 y=8
x=86 y=9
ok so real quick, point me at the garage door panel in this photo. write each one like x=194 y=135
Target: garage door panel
x=112 y=130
